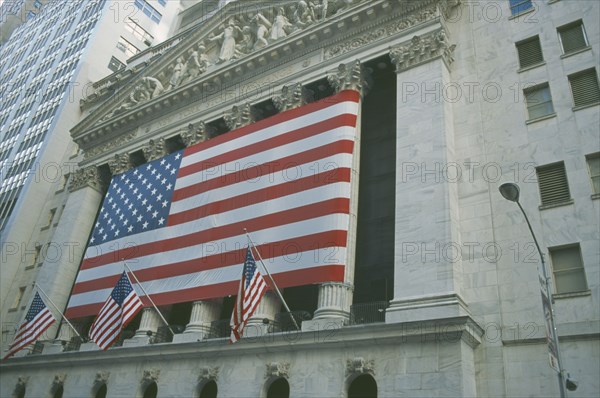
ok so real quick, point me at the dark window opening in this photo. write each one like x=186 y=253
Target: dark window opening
x=364 y=386
x=374 y=271
x=57 y=391
x=279 y=389
x=101 y=393
x=216 y=128
x=180 y=315
x=320 y=89
x=263 y=110
x=151 y=390
x=174 y=144
x=137 y=158
x=209 y=390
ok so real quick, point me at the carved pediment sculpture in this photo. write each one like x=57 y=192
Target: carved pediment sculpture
x=359 y=365
x=278 y=369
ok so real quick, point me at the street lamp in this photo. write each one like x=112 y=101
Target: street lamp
x=510 y=191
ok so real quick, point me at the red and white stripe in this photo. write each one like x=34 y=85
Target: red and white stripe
x=112 y=318
x=29 y=332
x=245 y=304
x=285 y=178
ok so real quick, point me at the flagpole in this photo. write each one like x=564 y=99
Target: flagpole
x=272 y=280
x=56 y=308
x=149 y=298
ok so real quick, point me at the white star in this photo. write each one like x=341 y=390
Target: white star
x=119 y=190
x=114 y=205
x=121 y=216
x=112 y=227
x=153 y=171
x=169 y=186
x=117 y=233
x=134 y=212
x=177 y=156
x=139 y=196
x=92 y=240
x=135 y=191
x=135 y=172
x=109 y=221
x=130 y=228
x=163 y=181
x=144 y=201
x=149 y=167
x=161 y=221
x=127 y=181
x=168 y=166
x=110 y=200
x=140 y=218
x=105 y=236
x=149 y=208
x=158 y=176
x=159 y=197
x=130 y=206
x=101 y=230
x=155 y=214
x=145 y=224
x=172 y=171
x=118 y=211
x=149 y=185
x=125 y=222
x=144 y=181
x=165 y=203
x=162 y=162
x=153 y=192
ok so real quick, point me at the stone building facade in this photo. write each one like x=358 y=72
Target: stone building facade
x=442 y=294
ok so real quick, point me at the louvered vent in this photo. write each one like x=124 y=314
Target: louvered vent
x=530 y=52
x=585 y=88
x=554 y=187
x=572 y=37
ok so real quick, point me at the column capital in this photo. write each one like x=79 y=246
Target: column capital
x=422 y=49
x=239 y=116
x=292 y=96
x=194 y=134
x=86 y=177
x=120 y=163
x=350 y=76
x=155 y=149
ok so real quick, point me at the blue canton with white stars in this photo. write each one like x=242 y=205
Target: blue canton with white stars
x=37 y=305
x=249 y=267
x=137 y=200
x=121 y=290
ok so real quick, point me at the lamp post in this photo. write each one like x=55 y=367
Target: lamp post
x=510 y=191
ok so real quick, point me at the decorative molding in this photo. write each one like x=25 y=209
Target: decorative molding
x=110 y=145
x=422 y=49
x=120 y=163
x=155 y=149
x=208 y=373
x=85 y=177
x=385 y=31
x=446 y=7
x=239 y=116
x=292 y=96
x=194 y=134
x=351 y=76
x=59 y=380
x=102 y=377
x=358 y=366
x=278 y=369
x=150 y=376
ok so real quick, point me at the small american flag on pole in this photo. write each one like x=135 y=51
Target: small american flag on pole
x=252 y=288
x=120 y=307
x=38 y=319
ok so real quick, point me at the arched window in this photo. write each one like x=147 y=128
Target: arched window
x=364 y=386
x=58 y=391
x=101 y=392
x=209 y=390
x=151 y=390
x=279 y=389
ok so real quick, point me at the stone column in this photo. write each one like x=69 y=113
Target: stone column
x=267 y=308
x=427 y=273
x=149 y=323
x=335 y=298
x=57 y=275
x=204 y=312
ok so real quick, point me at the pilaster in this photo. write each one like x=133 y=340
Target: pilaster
x=427 y=270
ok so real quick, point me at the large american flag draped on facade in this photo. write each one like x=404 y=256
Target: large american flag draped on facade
x=252 y=288
x=179 y=221
x=37 y=320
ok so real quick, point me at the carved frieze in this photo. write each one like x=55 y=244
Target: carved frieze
x=352 y=76
x=155 y=149
x=359 y=365
x=278 y=369
x=381 y=33
x=238 y=117
x=120 y=163
x=110 y=145
x=85 y=177
x=421 y=49
x=292 y=96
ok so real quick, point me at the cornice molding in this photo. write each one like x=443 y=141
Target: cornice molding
x=100 y=132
